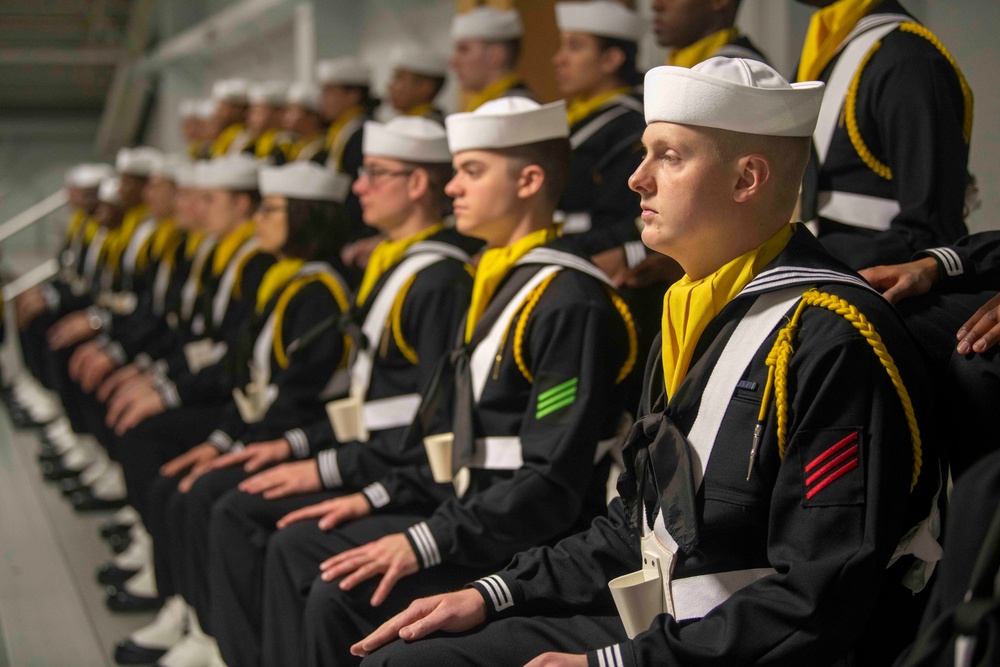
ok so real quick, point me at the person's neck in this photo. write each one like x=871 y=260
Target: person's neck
x=708 y=256
x=532 y=221
x=494 y=77
x=415 y=223
x=603 y=87
x=716 y=24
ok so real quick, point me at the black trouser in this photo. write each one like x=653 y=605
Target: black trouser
x=510 y=641
x=158 y=439
x=187 y=525
x=312 y=622
x=242 y=524
x=35 y=349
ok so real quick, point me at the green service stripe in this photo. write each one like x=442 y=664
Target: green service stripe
x=571 y=391
x=556 y=389
x=552 y=408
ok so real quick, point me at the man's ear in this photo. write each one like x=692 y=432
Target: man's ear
x=418 y=185
x=611 y=60
x=530 y=181
x=754 y=172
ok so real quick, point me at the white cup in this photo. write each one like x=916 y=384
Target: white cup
x=639 y=598
x=347 y=417
x=439 y=448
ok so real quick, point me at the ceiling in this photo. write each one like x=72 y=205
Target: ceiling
x=60 y=55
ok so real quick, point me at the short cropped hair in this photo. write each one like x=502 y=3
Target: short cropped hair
x=552 y=155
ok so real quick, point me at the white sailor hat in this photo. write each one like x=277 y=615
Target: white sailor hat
x=110 y=191
x=230 y=172
x=604 y=18
x=88 y=175
x=270 y=93
x=488 y=24
x=505 y=122
x=206 y=109
x=421 y=61
x=306 y=95
x=169 y=165
x=233 y=91
x=406 y=138
x=344 y=71
x=305 y=180
x=186 y=175
x=189 y=108
x=733 y=94
x=137 y=161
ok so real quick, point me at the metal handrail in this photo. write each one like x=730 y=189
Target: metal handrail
x=27 y=218
x=32 y=278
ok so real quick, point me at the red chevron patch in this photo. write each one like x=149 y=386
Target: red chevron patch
x=831 y=465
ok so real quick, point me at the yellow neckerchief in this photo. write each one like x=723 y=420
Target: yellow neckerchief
x=76 y=224
x=420 y=110
x=229 y=244
x=119 y=238
x=91 y=229
x=579 y=108
x=338 y=125
x=304 y=142
x=165 y=231
x=492 y=91
x=494 y=265
x=703 y=49
x=223 y=141
x=386 y=255
x=266 y=143
x=193 y=242
x=275 y=278
x=689 y=305
x=827 y=30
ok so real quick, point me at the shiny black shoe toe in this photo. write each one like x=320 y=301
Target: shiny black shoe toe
x=118 y=599
x=110 y=574
x=127 y=652
x=86 y=501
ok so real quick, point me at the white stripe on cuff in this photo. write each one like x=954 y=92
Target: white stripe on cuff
x=950 y=259
x=377 y=494
x=498 y=591
x=221 y=440
x=635 y=252
x=426 y=545
x=298 y=442
x=610 y=656
x=329 y=469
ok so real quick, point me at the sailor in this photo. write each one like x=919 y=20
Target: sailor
x=889 y=171
x=544 y=343
x=766 y=484
x=697 y=31
x=229 y=117
x=191 y=126
x=283 y=372
x=415 y=292
x=264 y=122
x=417 y=77
x=485 y=55
x=303 y=117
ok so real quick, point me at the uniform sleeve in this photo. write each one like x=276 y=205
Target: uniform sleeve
x=567 y=413
x=918 y=110
x=836 y=512
x=571 y=574
x=972 y=263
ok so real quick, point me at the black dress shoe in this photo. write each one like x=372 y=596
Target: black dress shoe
x=49 y=453
x=110 y=574
x=127 y=652
x=121 y=600
x=55 y=471
x=110 y=528
x=70 y=485
x=85 y=501
x=120 y=542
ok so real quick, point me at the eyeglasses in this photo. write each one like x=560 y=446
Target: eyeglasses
x=264 y=209
x=374 y=174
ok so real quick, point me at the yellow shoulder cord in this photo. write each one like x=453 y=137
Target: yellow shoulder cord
x=522 y=325
x=779 y=358
x=396 y=322
x=238 y=283
x=851 y=103
x=633 y=341
x=286 y=296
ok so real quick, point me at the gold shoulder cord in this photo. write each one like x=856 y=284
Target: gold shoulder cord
x=780 y=356
x=850 y=105
x=290 y=291
x=396 y=322
x=522 y=325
